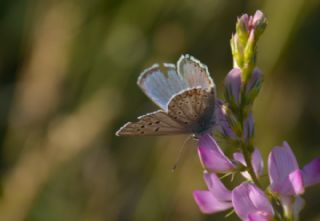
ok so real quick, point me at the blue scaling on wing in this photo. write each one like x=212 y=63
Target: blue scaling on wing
x=161 y=84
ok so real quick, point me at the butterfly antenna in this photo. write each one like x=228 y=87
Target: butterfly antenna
x=180 y=154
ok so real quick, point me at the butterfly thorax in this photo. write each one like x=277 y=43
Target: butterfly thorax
x=203 y=126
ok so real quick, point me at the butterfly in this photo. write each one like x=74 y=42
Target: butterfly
x=186 y=96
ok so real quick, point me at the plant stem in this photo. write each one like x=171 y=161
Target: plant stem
x=245 y=147
x=247 y=158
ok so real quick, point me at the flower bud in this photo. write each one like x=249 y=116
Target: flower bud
x=232 y=86
x=242 y=28
x=253 y=86
x=224 y=123
x=249 y=56
x=259 y=23
x=237 y=51
x=243 y=43
x=248 y=130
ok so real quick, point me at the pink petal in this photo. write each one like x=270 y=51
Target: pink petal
x=281 y=163
x=208 y=203
x=212 y=157
x=311 y=172
x=216 y=187
x=248 y=199
x=257 y=162
x=296 y=182
x=259 y=216
x=238 y=156
x=258 y=16
x=292 y=185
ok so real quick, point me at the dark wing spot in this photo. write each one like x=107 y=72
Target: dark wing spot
x=150 y=123
x=157 y=129
x=157 y=122
x=142 y=126
x=142 y=132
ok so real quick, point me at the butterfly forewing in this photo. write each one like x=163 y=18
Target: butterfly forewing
x=156 y=123
x=194 y=72
x=159 y=86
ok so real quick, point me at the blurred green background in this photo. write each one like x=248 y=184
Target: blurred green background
x=68 y=71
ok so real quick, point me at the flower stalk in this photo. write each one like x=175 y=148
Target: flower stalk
x=243 y=46
x=282 y=200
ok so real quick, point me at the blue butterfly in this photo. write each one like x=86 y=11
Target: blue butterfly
x=187 y=98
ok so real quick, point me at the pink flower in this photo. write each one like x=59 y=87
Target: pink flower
x=285 y=176
x=251 y=204
x=216 y=199
x=256 y=161
x=212 y=157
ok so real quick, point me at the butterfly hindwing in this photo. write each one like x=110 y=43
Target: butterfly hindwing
x=155 y=123
x=194 y=108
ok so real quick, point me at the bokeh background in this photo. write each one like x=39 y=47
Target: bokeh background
x=68 y=71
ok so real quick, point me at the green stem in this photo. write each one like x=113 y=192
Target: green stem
x=247 y=158
x=245 y=147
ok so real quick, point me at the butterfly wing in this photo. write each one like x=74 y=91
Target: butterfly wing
x=194 y=73
x=156 y=123
x=194 y=108
x=186 y=96
x=160 y=86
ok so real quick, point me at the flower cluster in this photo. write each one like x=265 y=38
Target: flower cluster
x=251 y=201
